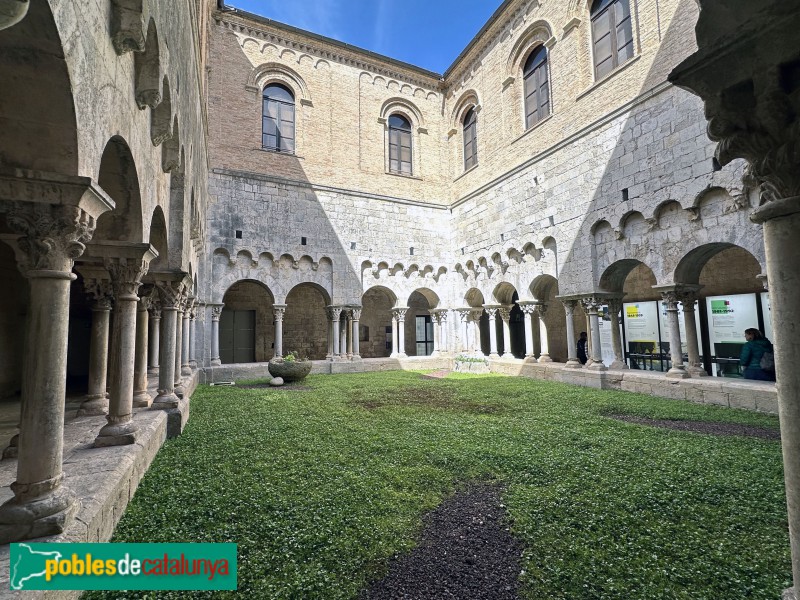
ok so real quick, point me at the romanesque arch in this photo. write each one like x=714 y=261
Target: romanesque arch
x=246 y=327
x=305 y=323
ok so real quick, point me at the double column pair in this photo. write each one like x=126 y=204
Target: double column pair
x=535 y=331
x=470 y=318
x=343 y=325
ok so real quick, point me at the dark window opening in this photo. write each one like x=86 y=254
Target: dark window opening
x=411 y=251
x=238 y=234
x=352 y=245
x=303 y=241
x=277 y=119
x=470 y=139
x=625 y=195
x=536 y=87
x=612 y=35
x=399 y=145
x=715 y=164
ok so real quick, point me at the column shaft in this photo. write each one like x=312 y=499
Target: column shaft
x=216 y=314
x=695 y=367
x=572 y=349
x=154 y=337
x=178 y=352
x=614 y=306
x=96 y=402
x=186 y=369
x=166 y=370
x=140 y=396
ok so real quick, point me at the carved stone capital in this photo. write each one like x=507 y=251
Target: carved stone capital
x=126 y=276
x=505 y=313
x=171 y=294
x=216 y=311
x=356 y=311
x=101 y=293
x=333 y=312
x=51 y=236
x=279 y=310
x=400 y=313
x=491 y=310
x=464 y=314
x=154 y=305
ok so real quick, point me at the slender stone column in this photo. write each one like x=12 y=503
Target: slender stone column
x=572 y=349
x=356 y=312
x=781 y=219
x=192 y=335
x=343 y=333
x=52 y=236
x=155 y=334
x=99 y=289
x=592 y=305
x=141 y=398
x=350 y=334
x=614 y=308
x=171 y=292
x=329 y=315
x=544 y=355
x=279 y=310
x=477 y=345
x=336 y=313
x=528 y=308
x=401 y=331
x=394 y=335
x=589 y=347
x=186 y=369
x=437 y=332
x=491 y=310
x=505 y=315
x=695 y=366
x=126 y=276
x=178 y=382
x=444 y=339
x=216 y=313
x=463 y=315
x=671 y=299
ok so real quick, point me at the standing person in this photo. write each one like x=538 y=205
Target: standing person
x=753 y=352
x=582 y=340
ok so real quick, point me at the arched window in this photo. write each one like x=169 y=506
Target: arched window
x=612 y=35
x=470 y=139
x=537 y=91
x=277 y=127
x=399 y=145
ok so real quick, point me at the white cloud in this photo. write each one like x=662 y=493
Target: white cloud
x=379 y=29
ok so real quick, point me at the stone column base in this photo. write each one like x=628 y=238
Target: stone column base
x=142 y=399
x=494 y=356
x=180 y=391
x=93 y=406
x=186 y=370
x=674 y=373
x=598 y=365
x=789 y=594
x=696 y=372
x=116 y=434
x=619 y=365
x=531 y=359
x=215 y=362
x=545 y=358
x=12 y=450
x=47 y=515
x=152 y=370
x=164 y=401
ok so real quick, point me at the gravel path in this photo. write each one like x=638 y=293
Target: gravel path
x=465 y=552
x=709 y=427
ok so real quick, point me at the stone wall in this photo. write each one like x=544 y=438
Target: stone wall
x=249 y=295
x=305 y=324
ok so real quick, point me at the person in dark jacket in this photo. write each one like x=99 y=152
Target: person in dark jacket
x=582 y=340
x=752 y=353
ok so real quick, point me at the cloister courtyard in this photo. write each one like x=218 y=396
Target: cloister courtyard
x=327 y=485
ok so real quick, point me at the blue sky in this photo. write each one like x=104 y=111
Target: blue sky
x=386 y=26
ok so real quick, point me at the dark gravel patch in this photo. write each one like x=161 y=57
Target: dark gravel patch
x=465 y=552
x=709 y=427
x=439 y=397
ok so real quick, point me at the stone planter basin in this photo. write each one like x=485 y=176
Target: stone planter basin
x=289 y=371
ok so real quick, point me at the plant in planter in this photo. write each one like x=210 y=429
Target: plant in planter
x=292 y=367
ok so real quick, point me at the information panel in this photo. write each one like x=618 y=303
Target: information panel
x=640 y=320
x=728 y=317
x=606 y=347
x=767 y=312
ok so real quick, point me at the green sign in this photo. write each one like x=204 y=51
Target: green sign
x=123 y=566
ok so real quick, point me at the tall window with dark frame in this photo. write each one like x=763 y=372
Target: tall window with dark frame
x=612 y=35
x=277 y=119
x=537 y=87
x=470 y=139
x=399 y=145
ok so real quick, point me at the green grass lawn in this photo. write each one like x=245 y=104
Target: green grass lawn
x=321 y=487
